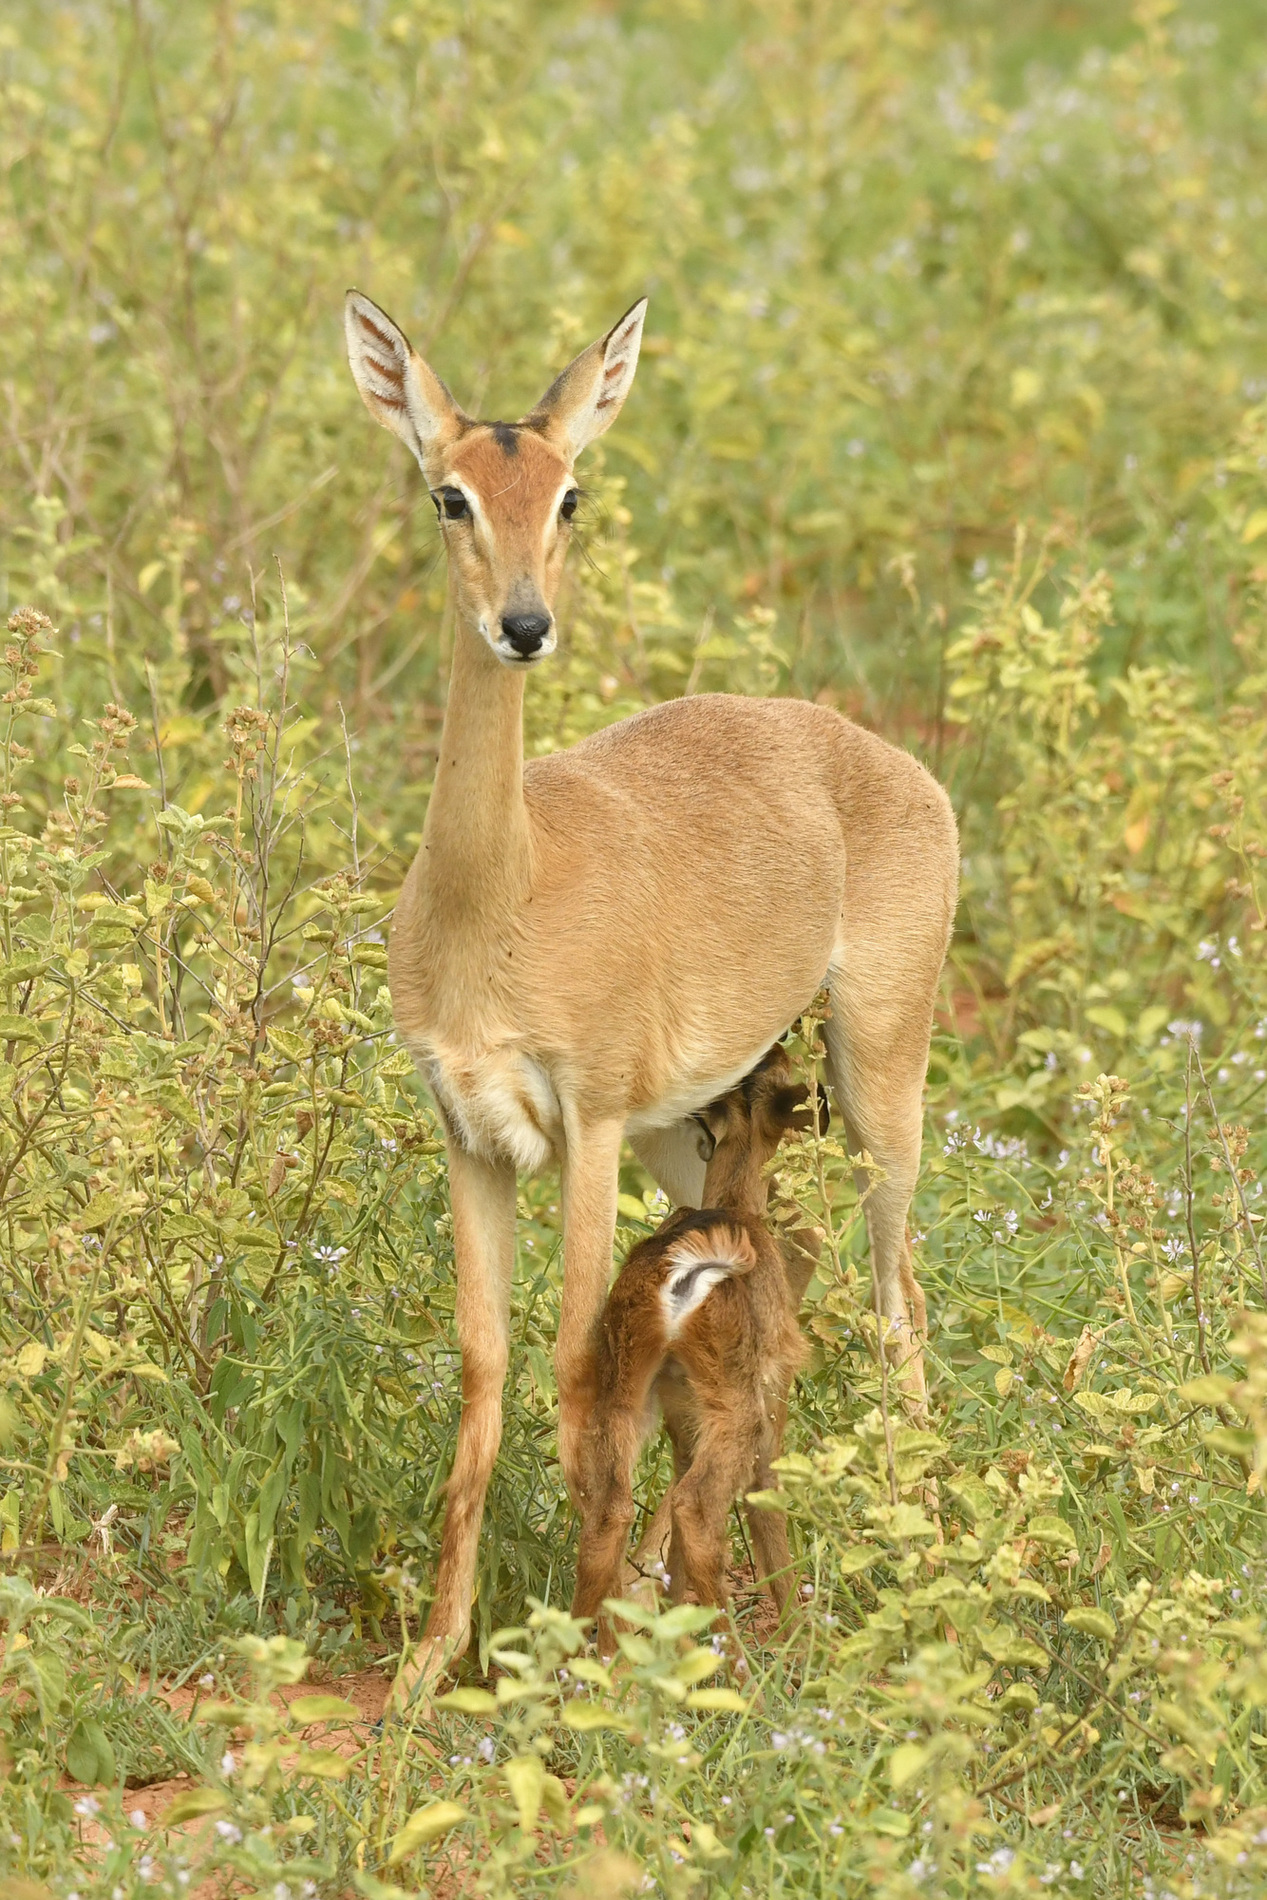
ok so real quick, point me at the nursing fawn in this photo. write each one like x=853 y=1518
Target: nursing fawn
x=701 y=1325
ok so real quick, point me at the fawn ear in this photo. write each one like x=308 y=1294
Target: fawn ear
x=789 y=1108
x=397 y=387
x=585 y=400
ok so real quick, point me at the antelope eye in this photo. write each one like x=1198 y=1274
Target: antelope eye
x=567 y=507
x=451 y=503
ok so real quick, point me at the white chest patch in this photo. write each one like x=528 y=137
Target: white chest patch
x=500 y=1102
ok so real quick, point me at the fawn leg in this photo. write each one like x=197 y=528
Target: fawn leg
x=725 y=1456
x=681 y=1420
x=608 y=1513
x=768 y=1528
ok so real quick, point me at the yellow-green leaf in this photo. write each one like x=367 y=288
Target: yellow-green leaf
x=1047 y=1528
x=191 y=1804
x=1105 y=1016
x=587 y=1717
x=905 y=1763
x=1092 y=1622
x=1210 y=1389
x=525 y=1777
x=468 y=1701
x=717 y=1701
x=427 y=1824
x=326 y=1763
x=323 y=1708
x=696 y=1664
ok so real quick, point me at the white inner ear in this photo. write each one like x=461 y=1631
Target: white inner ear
x=612 y=383
x=387 y=374
x=619 y=362
x=378 y=356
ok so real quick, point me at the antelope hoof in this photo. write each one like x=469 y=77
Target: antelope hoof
x=420 y=1674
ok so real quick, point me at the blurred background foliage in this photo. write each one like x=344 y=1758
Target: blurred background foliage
x=952 y=413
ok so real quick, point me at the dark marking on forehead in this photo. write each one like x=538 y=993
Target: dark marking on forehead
x=520 y=479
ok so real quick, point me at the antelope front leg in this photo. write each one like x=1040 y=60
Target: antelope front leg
x=590 y=1173
x=483 y=1202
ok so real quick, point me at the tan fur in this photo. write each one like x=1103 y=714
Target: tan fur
x=721 y=1379
x=588 y=946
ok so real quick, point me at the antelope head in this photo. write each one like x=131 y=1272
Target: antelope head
x=503 y=491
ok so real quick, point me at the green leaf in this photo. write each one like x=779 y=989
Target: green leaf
x=1006 y=1645
x=323 y=1708
x=890 y=1821
x=1226 y=1438
x=100 y=1211
x=22 y=969
x=427 y=1824
x=89 y=1756
x=1092 y=1622
x=185 y=1227
x=468 y=1701
x=18 y=1028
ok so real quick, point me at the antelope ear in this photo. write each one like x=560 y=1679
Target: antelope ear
x=586 y=399
x=397 y=387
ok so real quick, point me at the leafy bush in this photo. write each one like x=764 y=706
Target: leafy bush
x=950 y=415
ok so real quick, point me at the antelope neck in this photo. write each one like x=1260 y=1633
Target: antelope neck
x=476 y=831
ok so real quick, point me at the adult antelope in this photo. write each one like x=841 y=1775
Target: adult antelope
x=771 y=843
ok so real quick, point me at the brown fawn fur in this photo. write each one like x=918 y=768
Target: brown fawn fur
x=701 y=1324
x=551 y=1016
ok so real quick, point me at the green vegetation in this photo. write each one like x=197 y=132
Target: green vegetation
x=953 y=413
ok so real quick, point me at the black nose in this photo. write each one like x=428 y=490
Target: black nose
x=526 y=632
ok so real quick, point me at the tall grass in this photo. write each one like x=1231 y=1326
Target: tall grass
x=951 y=414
